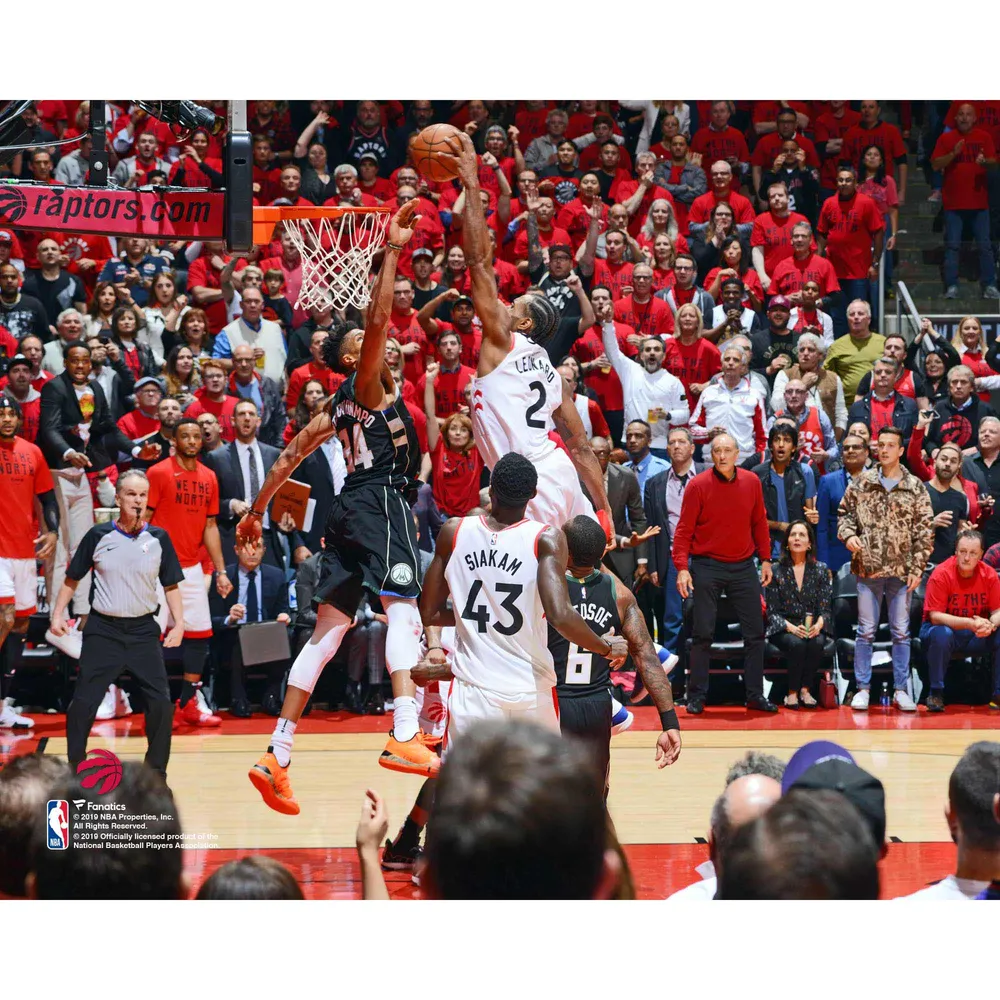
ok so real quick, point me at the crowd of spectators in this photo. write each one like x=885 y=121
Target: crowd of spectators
x=714 y=266
x=519 y=813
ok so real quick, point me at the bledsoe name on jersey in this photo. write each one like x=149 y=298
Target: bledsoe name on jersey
x=600 y=616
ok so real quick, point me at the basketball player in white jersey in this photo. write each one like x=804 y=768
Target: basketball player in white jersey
x=517 y=395
x=506 y=576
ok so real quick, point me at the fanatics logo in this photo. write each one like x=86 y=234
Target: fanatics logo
x=401 y=575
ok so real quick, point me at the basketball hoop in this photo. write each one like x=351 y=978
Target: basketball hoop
x=337 y=245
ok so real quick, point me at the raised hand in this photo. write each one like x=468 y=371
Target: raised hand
x=403 y=223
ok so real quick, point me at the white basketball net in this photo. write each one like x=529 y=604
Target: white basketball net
x=337 y=257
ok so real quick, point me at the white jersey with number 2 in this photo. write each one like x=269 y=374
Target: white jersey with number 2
x=512 y=406
x=501 y=636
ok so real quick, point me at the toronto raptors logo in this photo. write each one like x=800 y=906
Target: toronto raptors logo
x=958 y=431
x=809 y=441
x=13 y=204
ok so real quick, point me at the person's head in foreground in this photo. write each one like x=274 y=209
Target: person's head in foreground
x=251 y=878
x=973 y=810
x=154 y=872
x=24 y=789
x=518 y=814
x=808 y=845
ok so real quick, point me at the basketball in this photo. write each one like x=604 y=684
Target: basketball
x=425 y=147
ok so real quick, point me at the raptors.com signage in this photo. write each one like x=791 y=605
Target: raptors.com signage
x=166 y=213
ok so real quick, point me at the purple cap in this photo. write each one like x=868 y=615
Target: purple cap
x=780 y=302
x=809 y=755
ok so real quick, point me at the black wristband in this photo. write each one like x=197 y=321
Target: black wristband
x=668 y=720
x=429 y=648
x=256 y=513
x=392 y=246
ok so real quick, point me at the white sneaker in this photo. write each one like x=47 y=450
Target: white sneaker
x=860 y=701
x=991 y=292
x=123 y=706
x=951 y=292
x=904 y=702
x=9 y=719
x=71 y=643
x=9 y=703
x=670 y=662
x=620 y=722
x=107 y=709
x=202 y=703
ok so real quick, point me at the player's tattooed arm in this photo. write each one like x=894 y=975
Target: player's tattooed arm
x=368 y=387
x=536 y=261
x=572 y=431
x=640 y=647
x=434 y=593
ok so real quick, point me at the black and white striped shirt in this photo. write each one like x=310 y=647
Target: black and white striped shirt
x=126 y=568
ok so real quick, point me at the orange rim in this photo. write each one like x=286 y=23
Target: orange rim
x=266 y=217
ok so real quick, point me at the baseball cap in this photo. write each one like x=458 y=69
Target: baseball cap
x=780 y=302
x=560 y=248
x=422 y=252
x=148 y=380
x=6 y=403
x=368 y=156
x=462 y=300
x=19 y=359
x=6 y=236
x=816 y=752
x=863 y=790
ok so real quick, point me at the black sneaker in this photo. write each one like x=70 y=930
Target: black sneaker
x=935 y=703
x=695 y=706
x=395 y=859
x=761 y=705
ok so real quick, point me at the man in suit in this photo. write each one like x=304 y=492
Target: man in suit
x=246 y=382
x=259 y=594
x=628 y=559
x=884 y=406
x=664 y=494
x=241 y=467
x=76 y=434
x=829 y=548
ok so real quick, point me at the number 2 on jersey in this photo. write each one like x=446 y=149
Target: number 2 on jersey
x=356 y=453
x=579 y=664
x=529 y=415
x=481 y=615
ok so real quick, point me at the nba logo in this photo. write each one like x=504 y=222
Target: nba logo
x=57 y=830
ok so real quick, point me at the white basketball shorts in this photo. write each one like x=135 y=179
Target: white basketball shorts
x=560 y=496
x=19 y=585
x=194 y=596
x=468 y=704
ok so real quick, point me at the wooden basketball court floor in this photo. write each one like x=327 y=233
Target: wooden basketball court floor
x=661 y=816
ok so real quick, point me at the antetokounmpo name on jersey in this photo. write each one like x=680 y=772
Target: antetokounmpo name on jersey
x=494 y=560
x=352 y=409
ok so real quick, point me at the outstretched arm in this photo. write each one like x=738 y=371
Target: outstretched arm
x=478 y=252
x=434 y=590
x=571 y=428
x=318 y=430
x=640 y=648
x=368 y=385
x=553 y=555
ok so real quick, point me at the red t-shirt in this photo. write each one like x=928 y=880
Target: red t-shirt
x=531 y=124
x=456 y=479
x=775 y=236
x=623 y=189
x=137 y=425
x=224 y=412
x=791 y=274
x=309 y=372
x=849 y=227
x=652 y=319
x=881 y=410
x=545 y=239
x=449 y=389
x=769 y=146
x=407 y=330
x=750 y=279
x=964 y=180
x=987 y=117
x=693 y=363
x=201 y=274
x=182 y=502
x=887 y=137
x=701 y=207
x=590 y=159
x=715 y=145
x=23 y=476
x=575 y=218
x=964 y=597
x=613 y=276
x=768 y=111
x=828 y=127
x=663 y=278
x=419 y=421
x=606 y=384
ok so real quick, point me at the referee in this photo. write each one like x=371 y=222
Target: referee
x=127 y=557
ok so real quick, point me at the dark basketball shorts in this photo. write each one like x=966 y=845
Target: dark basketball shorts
x=371 y=544
x=589 y=719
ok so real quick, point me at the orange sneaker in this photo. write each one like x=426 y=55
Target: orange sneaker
x=271 y=780
x=415 y=756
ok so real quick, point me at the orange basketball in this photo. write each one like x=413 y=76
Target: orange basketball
x=425 y=147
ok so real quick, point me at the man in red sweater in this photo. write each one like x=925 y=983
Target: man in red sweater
x=144 y=420
x=723 y=523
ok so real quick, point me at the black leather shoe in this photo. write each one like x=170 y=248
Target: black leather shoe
x=240 y=708
x=761 y=705
x=696 y=706
x=354 y=700
x=375 y=703
x=271 y=703
x=935 y=703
